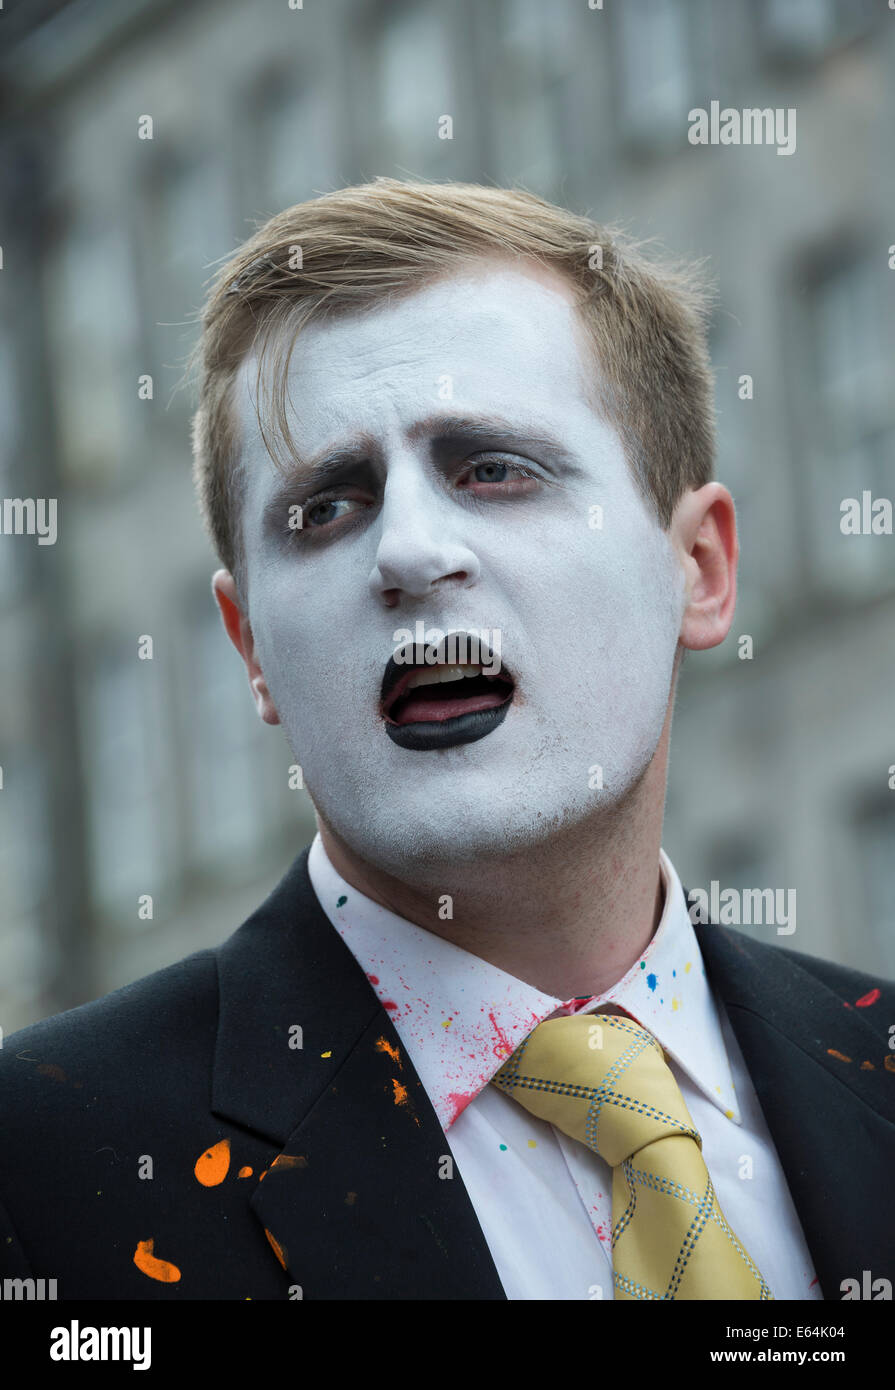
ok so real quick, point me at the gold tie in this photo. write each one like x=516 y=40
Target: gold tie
x=602 y=1079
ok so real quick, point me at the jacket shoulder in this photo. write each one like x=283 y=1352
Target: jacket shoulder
x=135 y=1032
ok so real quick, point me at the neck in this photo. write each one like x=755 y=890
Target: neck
x=569 y=916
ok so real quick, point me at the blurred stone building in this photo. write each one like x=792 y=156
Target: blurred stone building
x=123 y=777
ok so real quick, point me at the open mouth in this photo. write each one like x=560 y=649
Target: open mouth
x=436 y=706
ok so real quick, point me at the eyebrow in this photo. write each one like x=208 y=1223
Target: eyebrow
x=309 y=476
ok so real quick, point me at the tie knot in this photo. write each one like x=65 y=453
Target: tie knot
x=600 y=1078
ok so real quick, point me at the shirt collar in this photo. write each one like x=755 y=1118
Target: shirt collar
x=460 y=1017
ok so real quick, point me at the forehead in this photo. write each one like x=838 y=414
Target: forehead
x=493 y=336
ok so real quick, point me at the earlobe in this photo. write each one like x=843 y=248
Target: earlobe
x=239 y=630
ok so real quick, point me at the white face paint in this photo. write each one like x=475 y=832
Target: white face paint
x=588 y=618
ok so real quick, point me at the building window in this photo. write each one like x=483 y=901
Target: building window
x=25 y=881
x=802 y=30
x=188 y=226
x=297 y=149
x=876 y=853
x=230 y=799
x=16 y=552
x=654 y=73
x=853 y=424
x=415 y=86
x=536 y=58
x=132 y=821
x=93 y=334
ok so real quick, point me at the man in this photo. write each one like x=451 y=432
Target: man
x=454 y=446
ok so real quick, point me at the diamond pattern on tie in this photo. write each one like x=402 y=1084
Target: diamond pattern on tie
x=603 y=1080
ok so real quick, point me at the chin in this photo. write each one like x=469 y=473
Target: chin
x=422 y=842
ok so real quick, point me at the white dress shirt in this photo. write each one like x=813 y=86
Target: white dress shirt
x=544 y=1200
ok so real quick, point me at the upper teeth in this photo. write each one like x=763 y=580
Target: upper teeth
x=437 y=674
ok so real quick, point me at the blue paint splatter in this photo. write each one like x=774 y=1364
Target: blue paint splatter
x=652 y=981
x=673 y=973
x=340 y=902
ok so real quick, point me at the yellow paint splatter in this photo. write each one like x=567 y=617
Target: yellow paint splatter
x=446 y=1023
x=687 y=967
x=153 y=1268
x=383 y=1045
x=841 y=1055
x=729 y=1114
x=213 y=1166
x=276 y=1247
x=675 y=1003
x=532 y=1143
x=244 y=1172
x=326 y=1054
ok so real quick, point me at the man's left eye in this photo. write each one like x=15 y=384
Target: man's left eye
x=499 y=471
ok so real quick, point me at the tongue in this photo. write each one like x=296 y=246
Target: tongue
x=420 y=709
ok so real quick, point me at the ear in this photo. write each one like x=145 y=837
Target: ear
x=704 y=533
x=239 y=630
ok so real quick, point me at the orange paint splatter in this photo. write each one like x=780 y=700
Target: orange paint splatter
x=153 y=1268
x=889 y=1062
x=51 y=1069
x=276 y=1247
x=288 y=1161
x=214 y=1164
x=400 y=1092
x=867 y=1066
x=867 y=999
x=383 y=1045
x=244 y=1172
x=841 y=1055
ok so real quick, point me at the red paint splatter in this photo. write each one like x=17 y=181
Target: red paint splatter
x=389 y=1004
x=867 y=999
x=374 y=979
x=503 y=1047
x=459 y=1101
x=813 y=1282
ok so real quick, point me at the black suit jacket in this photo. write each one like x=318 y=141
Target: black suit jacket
x=333 y=1190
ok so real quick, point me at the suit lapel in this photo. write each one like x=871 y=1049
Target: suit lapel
x=363 y=1199
x=821 y=1074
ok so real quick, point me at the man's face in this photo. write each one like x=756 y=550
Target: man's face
x=484 y=527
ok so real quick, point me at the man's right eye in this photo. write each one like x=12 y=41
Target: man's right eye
x=322 y=513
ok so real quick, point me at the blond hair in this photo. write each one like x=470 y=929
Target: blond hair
x=646 y=322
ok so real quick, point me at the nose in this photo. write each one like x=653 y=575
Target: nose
x=419 y=550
